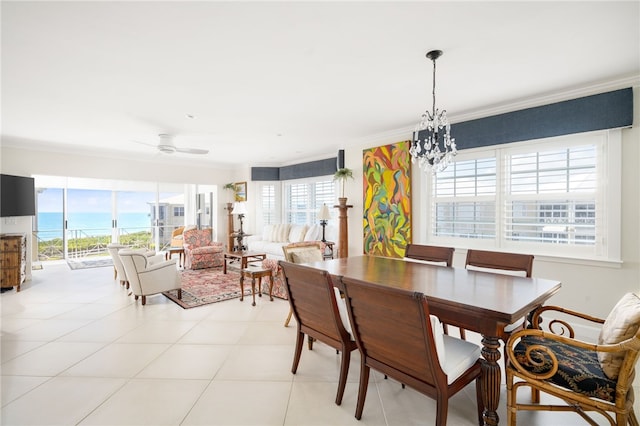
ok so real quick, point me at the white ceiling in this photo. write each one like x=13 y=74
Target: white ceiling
x=273 y=83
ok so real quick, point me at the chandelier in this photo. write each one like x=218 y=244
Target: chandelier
x=432 y=145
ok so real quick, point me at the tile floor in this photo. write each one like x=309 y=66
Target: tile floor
x=76 y=349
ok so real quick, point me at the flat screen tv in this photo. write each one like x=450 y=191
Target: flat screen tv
x=17 y=196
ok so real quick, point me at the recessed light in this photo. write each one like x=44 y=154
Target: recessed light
x=191 y=116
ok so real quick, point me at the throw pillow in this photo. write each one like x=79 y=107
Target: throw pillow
x=307 y=256
x=621 y=324
x=267 y=231
x=314 y=233
x=297 y=233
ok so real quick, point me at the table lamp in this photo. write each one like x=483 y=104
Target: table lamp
x=240 y=209
x=324 y=217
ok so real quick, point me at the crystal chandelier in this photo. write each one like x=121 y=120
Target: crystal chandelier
x=432 y=145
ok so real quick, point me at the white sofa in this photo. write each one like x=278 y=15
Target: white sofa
x=274 y=237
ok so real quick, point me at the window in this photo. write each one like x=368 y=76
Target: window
x=268 y=197
x=303 y=199
x=178 y=211
x=465 y=199
x=542 y=197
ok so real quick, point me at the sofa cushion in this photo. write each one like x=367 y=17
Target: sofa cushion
x=297 y=233
x=621 y=324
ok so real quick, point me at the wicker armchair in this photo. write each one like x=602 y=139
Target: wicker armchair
x=588 y=377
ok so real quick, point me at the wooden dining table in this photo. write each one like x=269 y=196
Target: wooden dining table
x=478 y=301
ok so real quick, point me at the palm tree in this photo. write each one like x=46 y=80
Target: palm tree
x=342 y=175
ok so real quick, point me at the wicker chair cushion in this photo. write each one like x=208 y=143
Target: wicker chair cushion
x=621 y=324
x=578 y=369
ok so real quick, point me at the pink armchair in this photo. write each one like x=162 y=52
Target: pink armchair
x=200 y=252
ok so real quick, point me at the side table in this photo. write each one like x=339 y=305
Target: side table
x=244 y=257
x=173 y=250
x=254 y=273
x=328 y=252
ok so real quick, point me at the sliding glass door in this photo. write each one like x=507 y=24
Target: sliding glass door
x=78 y=217
x=49 y=224
x=134 y=223
x=88 y=222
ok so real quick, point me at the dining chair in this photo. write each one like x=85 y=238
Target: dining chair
x=432 y=255
x=397 y=337
x=499 y=262
x=588 y=377
x=316 y=310
x=302 y=252
x=514 y=264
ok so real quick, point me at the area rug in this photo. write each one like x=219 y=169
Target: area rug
x=90 y=263
x=204 y=286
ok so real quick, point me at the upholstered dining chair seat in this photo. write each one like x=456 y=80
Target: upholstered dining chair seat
x=460 y=356
x=578 y=368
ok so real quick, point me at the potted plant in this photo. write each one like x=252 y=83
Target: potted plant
x=231 y=187
x=342 y=175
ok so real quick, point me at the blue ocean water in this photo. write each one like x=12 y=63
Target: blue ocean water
x=97 y=223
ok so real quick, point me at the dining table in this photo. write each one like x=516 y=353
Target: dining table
x=483 y=302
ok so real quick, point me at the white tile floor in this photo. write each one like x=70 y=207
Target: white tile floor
x=76 y=349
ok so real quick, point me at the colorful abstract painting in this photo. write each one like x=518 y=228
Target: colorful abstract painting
x=387 y=199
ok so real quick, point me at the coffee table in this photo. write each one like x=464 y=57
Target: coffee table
x=243 y=258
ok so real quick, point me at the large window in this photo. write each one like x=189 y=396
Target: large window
x=553 y=197
x=304 y=198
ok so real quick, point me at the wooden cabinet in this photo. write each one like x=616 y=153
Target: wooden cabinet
x=13 y=260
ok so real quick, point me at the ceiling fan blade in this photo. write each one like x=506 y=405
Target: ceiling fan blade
x=192 y=150
x=144 y=143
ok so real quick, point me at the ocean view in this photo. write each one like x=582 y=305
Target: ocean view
x=50 y=223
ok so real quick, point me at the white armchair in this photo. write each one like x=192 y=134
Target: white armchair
x=121 y=274
x=150 y=275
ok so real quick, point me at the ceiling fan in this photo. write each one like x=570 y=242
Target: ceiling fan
x=166 y=146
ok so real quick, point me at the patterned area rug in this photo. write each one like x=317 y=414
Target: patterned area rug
x=204 y=286
x=90 y=263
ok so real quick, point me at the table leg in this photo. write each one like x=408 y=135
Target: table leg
x=260 y=285
x=491 y=377
x=241 y=286
x=271 y=287
x=224 y=265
